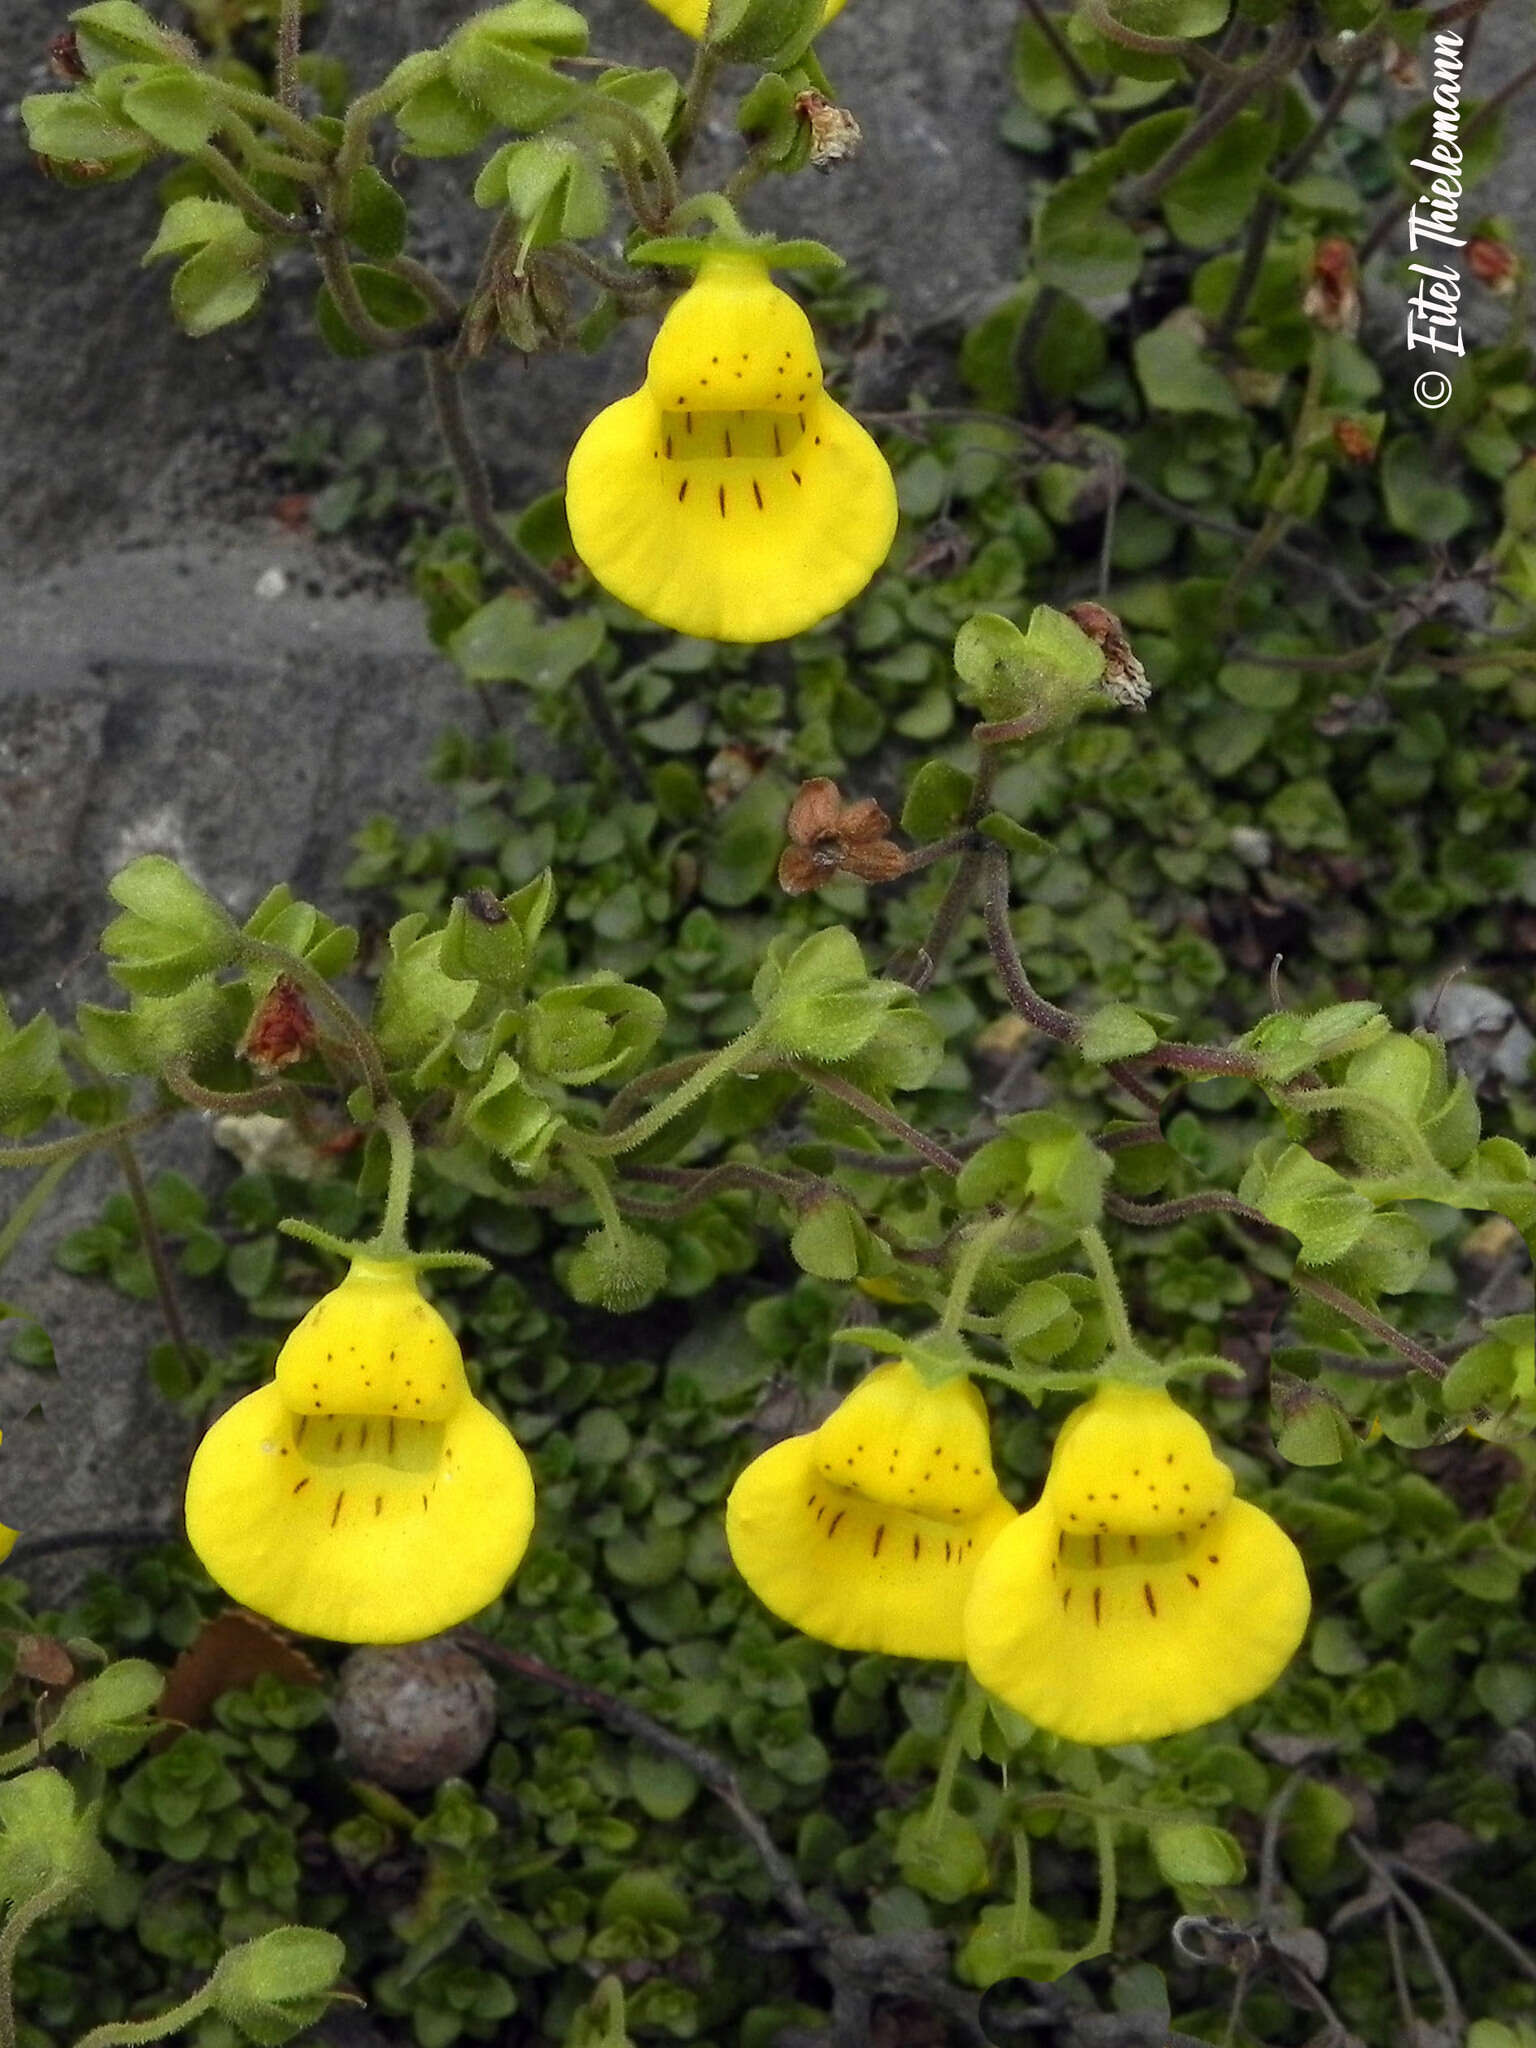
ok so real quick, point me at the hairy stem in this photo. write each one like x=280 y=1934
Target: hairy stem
x=31 y=1206
x=154 y=1246
x=289 y=30
x=109 y=1135
x=130 y=2033
x=20 y=1921
x=877 y=1113
x=1373 y=1325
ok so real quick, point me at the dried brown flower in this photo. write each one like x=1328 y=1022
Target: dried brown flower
x=1332 y=299
x=1494 y=264
x=835 y=134
x=828 y=838
x=1124 y=679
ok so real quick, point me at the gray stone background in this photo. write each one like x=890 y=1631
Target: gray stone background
x=153 y=698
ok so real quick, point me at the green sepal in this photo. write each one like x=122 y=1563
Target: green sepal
x=1410 y=1076
x=687 y=252
x=106 y=1717
x=1287 y=1043
x=1052 y=670
x=1498 y=1376
x=817 y=998
x=203 y=1018
x=617 y=1268
x=176 y=107
x=273 y=1987
x=418 y=1003
x=600 y=1029
x=510 y=78
x=942 y=1855
x=33 y=1082
x=772 y=33
x=829 y=1240
x=171 y=932
x=491 y=940
x=1041 y=1163
x=75 y=128
x=118 y=32
x=47 y=1842
x=935 y=1356
x=439 y=120
x=556 y=190
x=516 y=1122
x=1309 y=1426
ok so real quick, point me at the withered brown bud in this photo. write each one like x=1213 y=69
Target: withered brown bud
x=1353 y=442
x=835 y=134
x=1332 y=299
x=1124 y=679
x=484 y=907
x=1494 y=264
x=282 y=1030
x=64 y=59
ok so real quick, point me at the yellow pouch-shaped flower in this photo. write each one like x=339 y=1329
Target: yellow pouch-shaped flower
x=1138 y=1598
x=691 y=15
x=7 y=1541
x=867 y=1533
x=364 y=1494
x=729 y=497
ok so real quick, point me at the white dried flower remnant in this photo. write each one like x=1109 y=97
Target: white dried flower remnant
x=1124 y=680
x=835 y=134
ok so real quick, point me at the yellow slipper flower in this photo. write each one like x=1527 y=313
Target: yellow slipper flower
x=867 y=1532
x=729 y=497
x=1138 y=1598
x=691 y=15
x=364 y=1494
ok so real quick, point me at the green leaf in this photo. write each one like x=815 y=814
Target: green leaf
x=1008 y=1943
x=376 y=215
x=175 y=107
x=1079 y=246
x=117 y=32
x=191 y=223
x=222 y=283
x=439 y=120
x=748 y=838
x=662 y=1786
x=1115 y=1032
x=393 y=302
x=1190 y=18
x=1419 y=500
x=827 y=1241
x=1189 y=1854
x=1176 y=377
x=1212 y=196
x=506 y=641
x=71 y=127
x=1314 y=1202
x=942 y=1856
